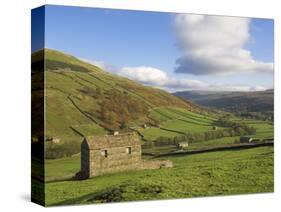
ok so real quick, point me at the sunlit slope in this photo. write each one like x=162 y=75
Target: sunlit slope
x=82 y=99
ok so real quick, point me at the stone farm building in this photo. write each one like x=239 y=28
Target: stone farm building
x=113 y=153
x=182 y=145
x=246 y=139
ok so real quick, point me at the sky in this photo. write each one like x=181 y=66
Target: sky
x=171 y=51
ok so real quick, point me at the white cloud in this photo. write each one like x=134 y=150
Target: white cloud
x=159 y=78
x=146 y=75
x=215 y=45
x=156 y=77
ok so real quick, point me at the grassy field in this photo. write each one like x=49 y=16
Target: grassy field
x=220 y=142
x=207 y=174
x=213 y=143
x=62 y=168
x=175 y=121
x=264 y=129
x=152 y=133
x=185 y=126
x=89 y=129
x=162 y=114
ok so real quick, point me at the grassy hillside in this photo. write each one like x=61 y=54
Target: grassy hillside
x=82 y=99
x=208 y=174
x=175 y=122
x=254 y=102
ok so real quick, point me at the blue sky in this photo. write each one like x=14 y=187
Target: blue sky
x=158 y=48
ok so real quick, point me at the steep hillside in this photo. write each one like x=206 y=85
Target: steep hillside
x=259 y=101
x=82 y=99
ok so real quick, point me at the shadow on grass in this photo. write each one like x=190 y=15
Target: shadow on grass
x=117 y=193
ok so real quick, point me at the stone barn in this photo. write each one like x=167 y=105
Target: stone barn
x=110 y=153
x=246 y=139
x=113 y=153
x=182 y=145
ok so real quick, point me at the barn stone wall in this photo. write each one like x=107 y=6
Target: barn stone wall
x=108 y=154
x=123 y=152
x=117 y=160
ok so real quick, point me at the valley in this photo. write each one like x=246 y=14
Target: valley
x=83 y=100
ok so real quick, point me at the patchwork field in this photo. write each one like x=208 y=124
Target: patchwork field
x=208 y=174
x=175 y=121
x=264 y=129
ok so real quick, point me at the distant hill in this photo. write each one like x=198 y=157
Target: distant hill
x=256 y=101
x=82 y=99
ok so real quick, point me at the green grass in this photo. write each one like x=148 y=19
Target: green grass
x=202 y=145
x=162 y=114
x=156 y=150
x=90 y=129
x=208 y=174
x=265 y=129
x=220 y=142
x=152 y=133
x=185 y=126
x=189 y=114
x=158 y=116
x=62 y=168
x=189 y=122
x=177 y=120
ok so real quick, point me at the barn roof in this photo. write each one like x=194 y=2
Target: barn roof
x=109 y=141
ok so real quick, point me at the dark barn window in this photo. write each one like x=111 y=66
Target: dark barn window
x=104 y=153
x=129 y=150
